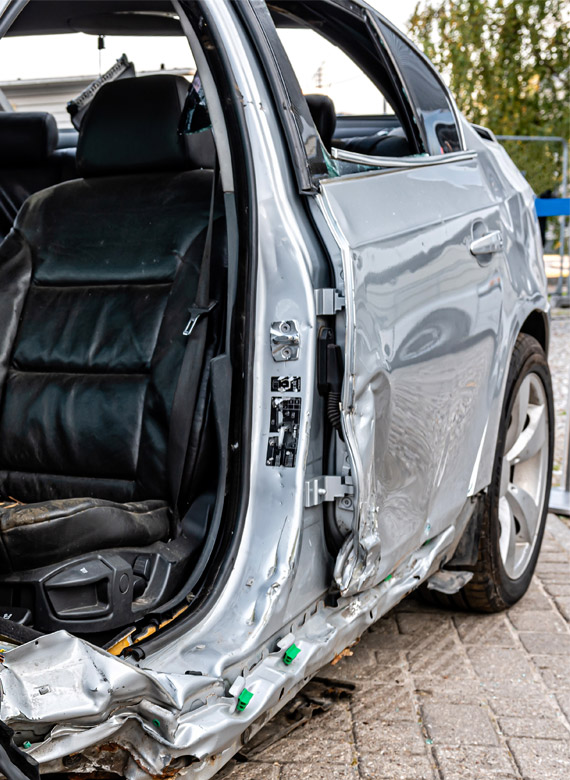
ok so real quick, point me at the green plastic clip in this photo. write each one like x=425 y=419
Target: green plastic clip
x=27 y=745
x=243 y=700
x=290 y=654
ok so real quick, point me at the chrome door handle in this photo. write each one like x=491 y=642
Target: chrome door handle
x=487 y=244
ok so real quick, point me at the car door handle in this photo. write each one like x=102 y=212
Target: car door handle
x=487 y=244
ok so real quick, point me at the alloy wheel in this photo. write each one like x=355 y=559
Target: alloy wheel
x=523 y=476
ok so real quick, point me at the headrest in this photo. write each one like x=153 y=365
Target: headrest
x=26 y=138
x=132 y=126
x=324 y=116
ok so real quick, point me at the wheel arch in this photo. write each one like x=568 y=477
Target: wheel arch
x=537 y=325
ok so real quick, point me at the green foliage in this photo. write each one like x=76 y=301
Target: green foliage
x=508 y=65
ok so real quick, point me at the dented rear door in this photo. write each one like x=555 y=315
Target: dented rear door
x=422 y=319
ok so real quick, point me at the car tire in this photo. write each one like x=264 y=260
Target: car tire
x=504 y=565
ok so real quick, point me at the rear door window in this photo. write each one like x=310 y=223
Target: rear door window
x=427 y=94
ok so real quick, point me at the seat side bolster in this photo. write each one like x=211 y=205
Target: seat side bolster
x=15 y=278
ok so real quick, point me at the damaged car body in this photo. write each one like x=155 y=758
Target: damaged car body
x=266 y=368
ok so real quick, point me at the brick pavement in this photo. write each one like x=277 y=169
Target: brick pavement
x=447 y=695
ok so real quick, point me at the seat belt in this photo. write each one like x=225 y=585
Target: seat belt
x=184 y=401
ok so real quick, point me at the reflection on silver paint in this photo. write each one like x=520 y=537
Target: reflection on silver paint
x=429 y=332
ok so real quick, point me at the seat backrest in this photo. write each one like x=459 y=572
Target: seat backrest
x=95 y=284
x=324 y=116
x=29 y=161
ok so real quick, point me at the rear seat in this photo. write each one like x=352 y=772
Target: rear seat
x=29 y=161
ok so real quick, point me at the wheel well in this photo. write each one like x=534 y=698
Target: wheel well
x=536 y=325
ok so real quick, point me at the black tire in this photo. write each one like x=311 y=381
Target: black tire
x=491 y=589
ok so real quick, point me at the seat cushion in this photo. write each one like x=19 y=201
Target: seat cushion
x=95 y=285
x=44 y=533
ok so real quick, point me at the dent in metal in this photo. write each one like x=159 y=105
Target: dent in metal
x=424 y=324
x=71 y=699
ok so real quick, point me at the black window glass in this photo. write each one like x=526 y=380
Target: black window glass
x=427 y=94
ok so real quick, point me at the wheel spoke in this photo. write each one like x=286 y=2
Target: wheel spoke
x=518 y=414
x=525 y=510
x=532 y=438
x=508 y=531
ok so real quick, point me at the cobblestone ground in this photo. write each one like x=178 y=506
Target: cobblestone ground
x=560 y=369
x=447 y=695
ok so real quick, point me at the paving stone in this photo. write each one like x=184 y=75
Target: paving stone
x=530 y=707
x=423 y=624
x=384 y=737
x=551 y=644
x=498 y=663
x=361 y=665
x=543 y=621
x=553 y=554
x=386 y=626
x=319 y=771
x=455 y=725
x=391 y=702
x=564 y=703
x=393 y=750
x=563 y=604
x=467 y=691
x=555 y=671
x=534 y=598
x=406 y=767
x=541 y=759
x=540 y=728
x=391 y=663
x=328 y=734
x=557 y=589
x=476 y=763
x=552 y=572
x=491 y=630
x=250 y=771
x=439 y=656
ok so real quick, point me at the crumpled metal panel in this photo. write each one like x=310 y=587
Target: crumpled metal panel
x=84 y=710
x=429 y=332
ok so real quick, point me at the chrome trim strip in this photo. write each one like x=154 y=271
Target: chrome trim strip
x=400 y=162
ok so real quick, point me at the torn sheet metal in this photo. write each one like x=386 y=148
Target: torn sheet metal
x=80 y=708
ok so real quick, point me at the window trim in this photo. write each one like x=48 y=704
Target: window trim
x=393 y=163
x=378 y=20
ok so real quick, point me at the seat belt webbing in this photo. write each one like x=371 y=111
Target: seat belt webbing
x=184 y=400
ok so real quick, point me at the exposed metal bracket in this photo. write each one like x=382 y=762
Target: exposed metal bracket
x=285 y=340
x=328 y=301
x=324 y=489
x=449 y=582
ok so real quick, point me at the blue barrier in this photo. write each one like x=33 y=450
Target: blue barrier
x=553 y=207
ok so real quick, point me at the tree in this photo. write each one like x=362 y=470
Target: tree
x=508 y=66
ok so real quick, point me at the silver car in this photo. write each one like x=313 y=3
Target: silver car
x=266 y=367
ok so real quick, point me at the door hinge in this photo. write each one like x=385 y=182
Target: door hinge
x=323 y=489
x=285 y=340
x=328 y=301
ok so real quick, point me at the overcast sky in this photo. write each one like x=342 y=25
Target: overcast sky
x=319 y=66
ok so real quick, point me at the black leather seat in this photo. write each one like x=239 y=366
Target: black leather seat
x=29 y=161
x=385 y=143
x=95 y=283
x=324 y=116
